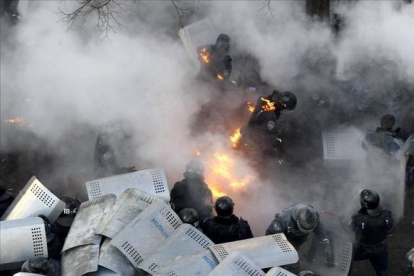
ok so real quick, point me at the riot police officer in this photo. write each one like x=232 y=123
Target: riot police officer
x=216 y=63
x=6 y=199
x=371 y=226
x=192 y=191
x=189 y=216
x=296 y=222
x=226 y=227
x=382 y=144
x=261 y=130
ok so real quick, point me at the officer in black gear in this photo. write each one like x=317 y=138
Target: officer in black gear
x=6 y=199
x=189 y=216
x=105 y=160
x=192 y=191
x=226 y=227
x=54 y=245
x=371 y=226
x=9 y=10
x=63 y=223
x=382 y=144
x=42 y=266
x=296 y=222
x=261 y=130
x=216 y=63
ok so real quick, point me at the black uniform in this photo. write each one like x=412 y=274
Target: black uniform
x=261 y=130
x=221 y=230
x=286 y=222
x=371 y=228
x=192 y=193
x=6 y=199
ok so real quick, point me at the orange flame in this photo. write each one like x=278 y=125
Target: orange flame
x=250 y=106
x=16 y=121
x=235 y=138
x=205 y=55
x=268 y=105
x=198 y=153
x=222 y=172
x=220 y=77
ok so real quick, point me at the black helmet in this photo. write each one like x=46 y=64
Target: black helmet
x=69 y=212
x=38 y=265
x=369 y=199
x=190 y=216
x=306 y=219
x=223 y=44
x=287 y=100
x=224 y=206
x=194 y=169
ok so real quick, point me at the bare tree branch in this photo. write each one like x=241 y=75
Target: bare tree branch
x=181 y=12
x=105 y=10
x=267 y=5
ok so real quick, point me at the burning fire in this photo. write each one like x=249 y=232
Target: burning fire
x=16 y=121
x=250 y=106
x=268 y=105
x=205 y=55
x=220 y=77
x=222 y=175
x=198 y=153
x=235 y=138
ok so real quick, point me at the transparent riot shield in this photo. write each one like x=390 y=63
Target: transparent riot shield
x=111 y=258
x=34 y=200
x=21 y=240
x=265 y=252
x=195 y=35
x=129 y=205
x=278 y=271
x=315 y=260
x=186 y=240
x=200 y=264
x=80 y=260
x=146 y=232
x=83 y=228
x=342 y=145
x=237 y=264
x=152 y=181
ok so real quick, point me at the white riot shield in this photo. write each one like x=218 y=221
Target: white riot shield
x=342 y=249
x=267 y=251
x=237 y=264
x=278 y=271
x=83 y=228
x=343 y=145
x=21 y=240
x=129 y=205
x=34 y=200
x=111 y=258
x=200 y=264
x=146 y=232
x=195 y=35
x=80 y=260
x=152 y=181
x=186 y=240
x=408 y=147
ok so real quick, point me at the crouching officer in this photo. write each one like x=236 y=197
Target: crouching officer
x=226 y=227
x=371 y=226
x=296 y=222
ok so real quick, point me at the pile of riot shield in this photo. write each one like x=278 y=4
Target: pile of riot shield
x=128 y=228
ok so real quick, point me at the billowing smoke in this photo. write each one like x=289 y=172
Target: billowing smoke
x=70 y=84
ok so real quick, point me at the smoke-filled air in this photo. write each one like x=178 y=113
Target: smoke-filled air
x=262 y=121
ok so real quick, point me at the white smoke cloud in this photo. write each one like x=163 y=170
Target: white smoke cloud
x=70 y=83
